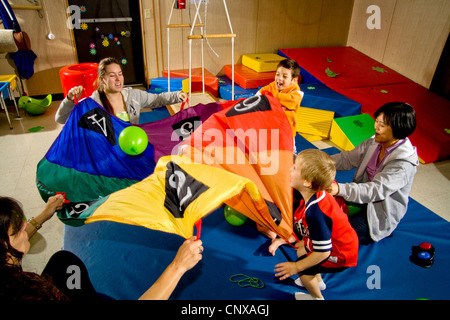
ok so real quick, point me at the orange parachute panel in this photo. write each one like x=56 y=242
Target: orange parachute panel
x=252 y=138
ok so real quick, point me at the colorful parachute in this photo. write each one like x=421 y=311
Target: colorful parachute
x=86 y=161
x=251 y=139
x=172 y=199
x=166 y=134
x=240 y=156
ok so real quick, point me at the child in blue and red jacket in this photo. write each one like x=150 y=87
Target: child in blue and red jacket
x=328 y=243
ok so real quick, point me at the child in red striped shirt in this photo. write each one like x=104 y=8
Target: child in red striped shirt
x=327 y=243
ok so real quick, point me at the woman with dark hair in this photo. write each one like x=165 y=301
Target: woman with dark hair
x=14 y=234
x=124 y=103
x=385 y=167
x=65 y=276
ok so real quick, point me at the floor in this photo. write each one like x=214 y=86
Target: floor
x=22 y=150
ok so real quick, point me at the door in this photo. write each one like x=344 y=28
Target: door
x=111 y=28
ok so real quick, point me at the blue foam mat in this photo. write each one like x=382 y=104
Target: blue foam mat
x=153 y=115
x=399 y=278
x=239 y=93
x=319 y=96
x=301 y=143
x=124 y=260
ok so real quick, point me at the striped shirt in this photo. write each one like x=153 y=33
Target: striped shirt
x=324 y=227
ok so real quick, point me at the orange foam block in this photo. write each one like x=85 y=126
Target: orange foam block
x=211 y=81
x=247 y=78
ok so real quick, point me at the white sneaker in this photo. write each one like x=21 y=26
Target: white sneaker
x=305 y=296
x=322 y=285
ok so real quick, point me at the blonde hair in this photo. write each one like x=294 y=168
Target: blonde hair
x=317 y=167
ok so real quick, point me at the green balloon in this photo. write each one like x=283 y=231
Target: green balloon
x=234 y=217
x=133 y=140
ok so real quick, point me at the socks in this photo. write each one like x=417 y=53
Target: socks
x=322 y=285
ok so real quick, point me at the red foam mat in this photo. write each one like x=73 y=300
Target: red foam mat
x=432 y=114
x=372 y=84
x=354 y=68
x=247 y=78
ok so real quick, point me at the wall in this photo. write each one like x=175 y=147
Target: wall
x=52 y=55
x=411 y=38
x=261 y=26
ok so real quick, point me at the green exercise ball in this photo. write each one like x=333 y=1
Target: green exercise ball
x=353 y=208
x=234 y=217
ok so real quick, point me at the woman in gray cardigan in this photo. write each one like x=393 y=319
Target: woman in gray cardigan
x=385 y=168
x=124 y=103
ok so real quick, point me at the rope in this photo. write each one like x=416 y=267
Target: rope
x=247 y=281
x=207 y=41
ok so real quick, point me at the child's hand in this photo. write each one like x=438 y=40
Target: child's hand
x=285 y=270
x=301 y=250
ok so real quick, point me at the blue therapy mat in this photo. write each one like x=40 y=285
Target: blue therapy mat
x=399 y=278
x=123 y=260
x=153 y=115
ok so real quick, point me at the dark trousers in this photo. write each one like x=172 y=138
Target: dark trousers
x=359 y=222
x=69 y=275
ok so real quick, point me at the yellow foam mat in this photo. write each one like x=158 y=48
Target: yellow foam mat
x=314 y=122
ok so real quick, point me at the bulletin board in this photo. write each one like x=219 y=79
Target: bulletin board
x=110 y=28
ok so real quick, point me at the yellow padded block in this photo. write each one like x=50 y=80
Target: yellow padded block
x=339 y=138
x=263 y=62
x=314 y=122
x=185 y=85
